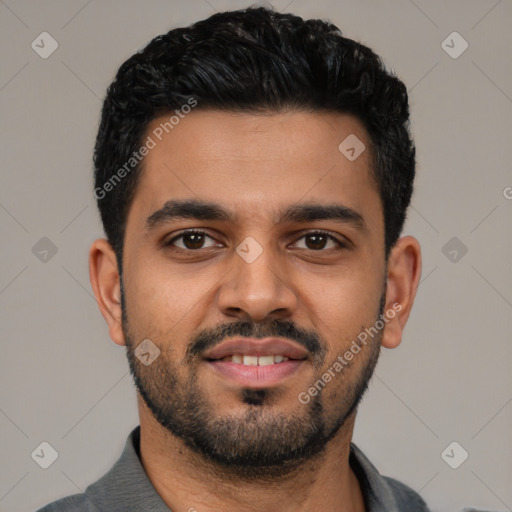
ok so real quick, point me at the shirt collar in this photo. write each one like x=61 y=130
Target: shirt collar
x=377 y=495
x=127 y=487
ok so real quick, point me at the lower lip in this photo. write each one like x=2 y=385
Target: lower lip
x=253 y=376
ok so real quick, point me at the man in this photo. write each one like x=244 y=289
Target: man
x=253 y=173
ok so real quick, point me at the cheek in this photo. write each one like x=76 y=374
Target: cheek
x=344 y=302
x=161 y=302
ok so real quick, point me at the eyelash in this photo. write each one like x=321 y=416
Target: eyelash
x=170 y=242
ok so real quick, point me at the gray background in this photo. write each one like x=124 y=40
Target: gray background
x=65 y=382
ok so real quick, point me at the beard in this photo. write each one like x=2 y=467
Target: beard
x=259 y=442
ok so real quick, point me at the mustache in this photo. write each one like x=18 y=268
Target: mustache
x=209 y=338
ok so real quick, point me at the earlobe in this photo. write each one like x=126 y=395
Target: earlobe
x=403 y=276
x=105 y=282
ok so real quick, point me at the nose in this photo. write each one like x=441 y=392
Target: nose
x=257 y=290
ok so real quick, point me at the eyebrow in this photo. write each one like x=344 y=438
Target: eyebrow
x=201 y=210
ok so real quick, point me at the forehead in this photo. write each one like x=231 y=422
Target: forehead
x=255 y=164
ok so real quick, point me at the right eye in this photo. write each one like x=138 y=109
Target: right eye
x=191 y=240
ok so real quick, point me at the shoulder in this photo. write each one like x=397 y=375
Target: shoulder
x=405 y=497
x=124 y=487
x=383 y=492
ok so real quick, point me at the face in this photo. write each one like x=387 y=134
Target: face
x=255 y=227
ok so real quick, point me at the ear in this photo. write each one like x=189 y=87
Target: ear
x=403 y=276
x=104 y=276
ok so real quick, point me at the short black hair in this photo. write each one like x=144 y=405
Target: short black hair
x=252 y=60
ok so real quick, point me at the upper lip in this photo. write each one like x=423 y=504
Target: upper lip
x=257 y=347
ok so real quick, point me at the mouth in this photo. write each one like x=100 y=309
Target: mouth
x=254 y=360
x=257 y=364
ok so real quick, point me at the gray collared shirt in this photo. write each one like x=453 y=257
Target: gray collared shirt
x=126 y=488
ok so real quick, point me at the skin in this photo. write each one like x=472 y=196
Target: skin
x=255 y=166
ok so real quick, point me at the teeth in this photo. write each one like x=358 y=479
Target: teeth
x=264 y=360
x=251 y=360
x=256 y=360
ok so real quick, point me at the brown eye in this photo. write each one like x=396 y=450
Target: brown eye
x=316 y=241
x=191 y=240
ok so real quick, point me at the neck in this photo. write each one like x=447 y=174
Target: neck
x=186 y=481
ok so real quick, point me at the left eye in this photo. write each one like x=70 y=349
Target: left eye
x=317 y=241
x=194 y=240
